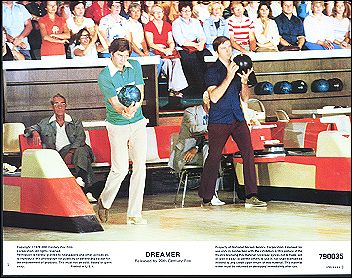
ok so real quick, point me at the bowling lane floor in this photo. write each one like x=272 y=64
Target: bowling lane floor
x=232 y=222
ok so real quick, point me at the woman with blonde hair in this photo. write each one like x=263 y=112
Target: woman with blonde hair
x=171 y=11
x=319 y=29
x=215 y=25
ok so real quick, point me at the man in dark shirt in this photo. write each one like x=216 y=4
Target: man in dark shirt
x=225 y=87
x=290 y=28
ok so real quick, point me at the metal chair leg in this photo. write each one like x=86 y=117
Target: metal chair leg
x=184 y=191
x=179 y=186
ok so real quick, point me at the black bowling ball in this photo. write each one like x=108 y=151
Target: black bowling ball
x=320 y=86
x=245 y=63
x=283 y=87
x=264 y=88
x=299 y=87
x=335 y=85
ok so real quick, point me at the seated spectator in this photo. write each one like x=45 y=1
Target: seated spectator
x=227 y=9
x=215 y=25
x=147 y=14
x=78 y=21
x=17 y=22
x=252 y=9
x=303 y=8
x=290 y=28
x=64 y=10
x=65 y=134
x=329 y=6
x=275 y=8
x=190 y=40
x=54 y=32
x=191 y=146
x=266 y=32
x=124 y=9
x=319 y=29
x=201 y=11
x=87 y=45
x=341 y=25
x=37 y=10
x=135 y=33
x=171 y=10
x=158 y=34
x=9 y=51
x=113 y=26
x=241 y=29
x=97 y=10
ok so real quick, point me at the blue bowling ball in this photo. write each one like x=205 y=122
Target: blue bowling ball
x=283 y=87
x=129 y=94
x=320 y=86
x=264 y=88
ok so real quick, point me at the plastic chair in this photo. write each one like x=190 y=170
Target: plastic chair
x=10 y=133
x=282 y=116
x=257 y=106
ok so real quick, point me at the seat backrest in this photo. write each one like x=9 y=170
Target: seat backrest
x=100 y=144
x=282 y=116
x=257 y=106
x=27 y=143
x=163 y=135
x=10 y=137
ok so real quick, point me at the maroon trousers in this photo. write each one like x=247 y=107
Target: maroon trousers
x=218 y=135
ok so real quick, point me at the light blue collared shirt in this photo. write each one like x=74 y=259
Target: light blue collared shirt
x=211 y=32
x=183 y=31
x=13 y=20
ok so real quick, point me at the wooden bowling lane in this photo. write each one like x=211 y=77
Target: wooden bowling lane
x=279 y=221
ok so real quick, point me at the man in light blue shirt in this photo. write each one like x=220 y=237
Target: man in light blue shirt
x=17 y=21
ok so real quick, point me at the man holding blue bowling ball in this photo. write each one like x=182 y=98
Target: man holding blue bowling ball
x=227 y=86
x=127 y=130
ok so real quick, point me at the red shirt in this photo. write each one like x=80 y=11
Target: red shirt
x=159 y=38
x=96 y=13
x=52 y=27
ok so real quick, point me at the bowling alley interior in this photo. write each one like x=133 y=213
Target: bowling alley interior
x=301 y=144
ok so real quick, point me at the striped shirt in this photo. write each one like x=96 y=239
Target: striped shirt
x=240 y=29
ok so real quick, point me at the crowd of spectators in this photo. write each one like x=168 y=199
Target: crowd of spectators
x=71 y=29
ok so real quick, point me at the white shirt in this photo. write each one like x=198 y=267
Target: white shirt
x=87 y=23
x=273 y=35
x=92 y=53
x=61 y=137
x=341 y=27
x=318 y=29
x=252 y=12
x=136 y=30
x=114 y=29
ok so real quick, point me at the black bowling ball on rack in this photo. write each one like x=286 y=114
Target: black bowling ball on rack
x=299 y=87
x=335 y=85
x=245 y=63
